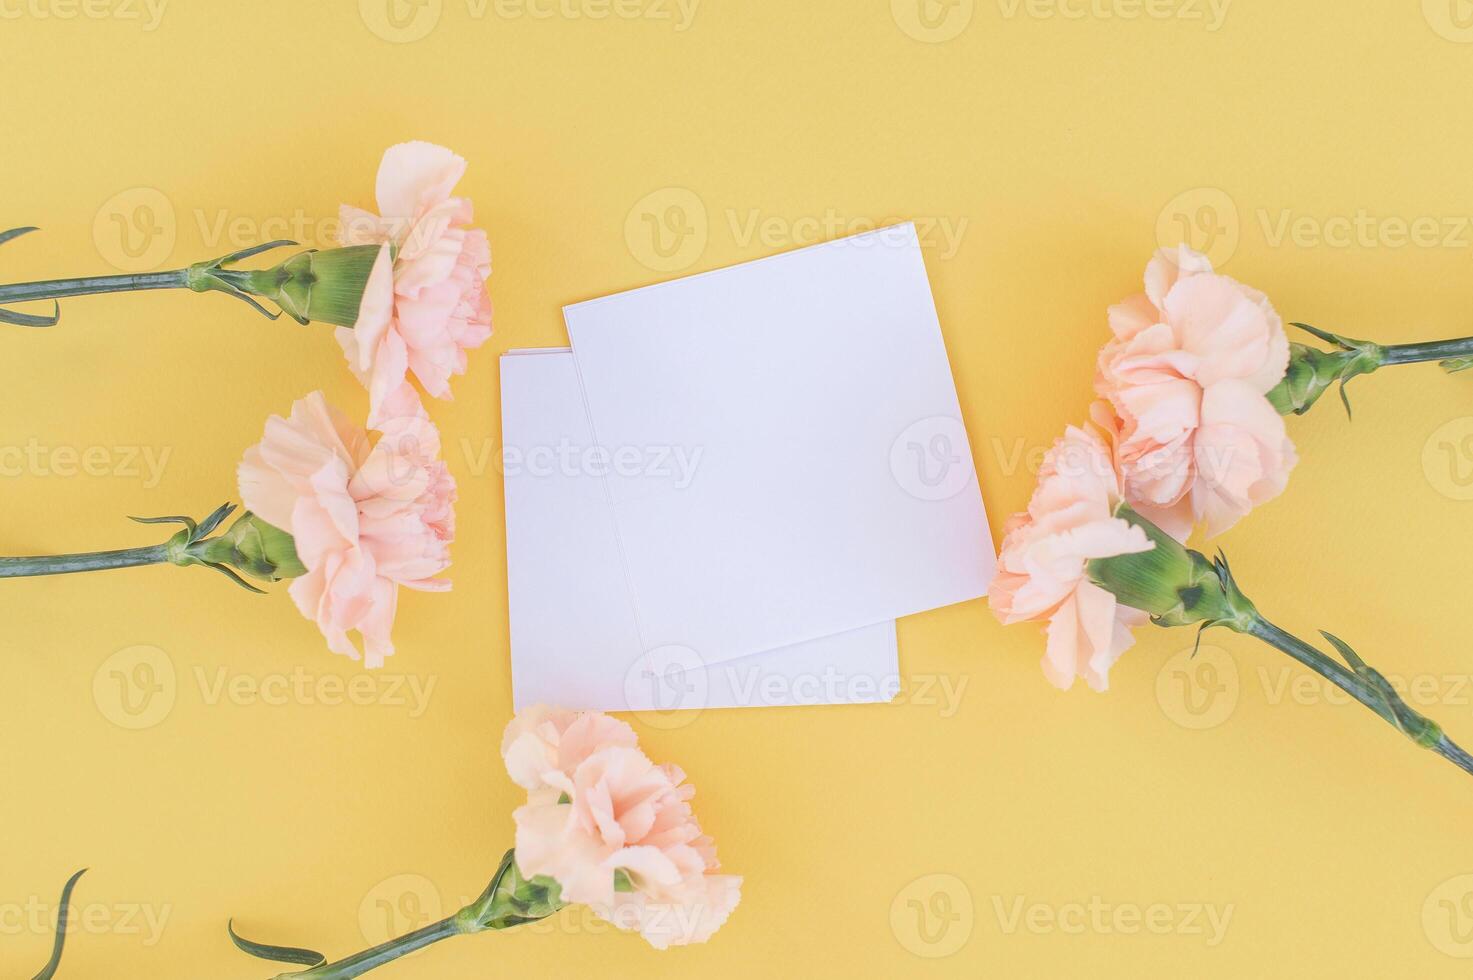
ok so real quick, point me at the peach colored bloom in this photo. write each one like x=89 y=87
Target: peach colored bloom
x=1187 y=373
x=426 y=302
x=1041 y=568
x=366 y=518
x=596 y=805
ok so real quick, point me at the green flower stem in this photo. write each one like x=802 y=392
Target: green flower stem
x=1181 y=587
x=250 y=545
x=91 y=561
x=360 y=963
x=510 y=900
x=1311 y=371
x=1286 y=642
x=312 y=286
x=1380 y=698
x=1437 y=350
x=25 y=292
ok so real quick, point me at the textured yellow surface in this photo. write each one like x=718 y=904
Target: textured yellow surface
x=1220 y=822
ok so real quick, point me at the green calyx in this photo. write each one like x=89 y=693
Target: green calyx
x=511 y=899
x=260 y=550
x=1312 y=371
x=250 y=545
x=323 y=286
x=1175 y=585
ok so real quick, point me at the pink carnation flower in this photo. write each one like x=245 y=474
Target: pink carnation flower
x=1187 y=374
x=1041 y=569
x=366 y=518
x=426 y=303
x=596 y=805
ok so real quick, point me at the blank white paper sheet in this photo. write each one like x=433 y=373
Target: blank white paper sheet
x=832 y=485
x=575 y=641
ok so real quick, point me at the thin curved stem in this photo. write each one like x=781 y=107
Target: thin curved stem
x=91 y=561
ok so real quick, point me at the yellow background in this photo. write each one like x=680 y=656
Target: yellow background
x=1059 y=147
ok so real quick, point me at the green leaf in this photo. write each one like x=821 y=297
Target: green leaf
x=1345 y=343
x=32 y=320
x=246 y=253
x=280 y=954
x=208 y=525
x=49 y=970
x=14 y=233
x=188 y=522
x=622 y=882
x=230 y=574
x=1456 y=364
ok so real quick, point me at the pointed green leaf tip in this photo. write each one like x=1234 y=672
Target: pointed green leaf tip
x=27 y=319
x=63 y=911
x=32 y=320
x=15 y=233
x=277 y=954
x=1413 y=725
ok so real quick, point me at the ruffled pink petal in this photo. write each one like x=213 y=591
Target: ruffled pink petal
x=390 y=365
x=264 y=490
x=1168 y=267
x=375 y=313
x=359 y=227
x=415 y=176
x=1230 y=335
